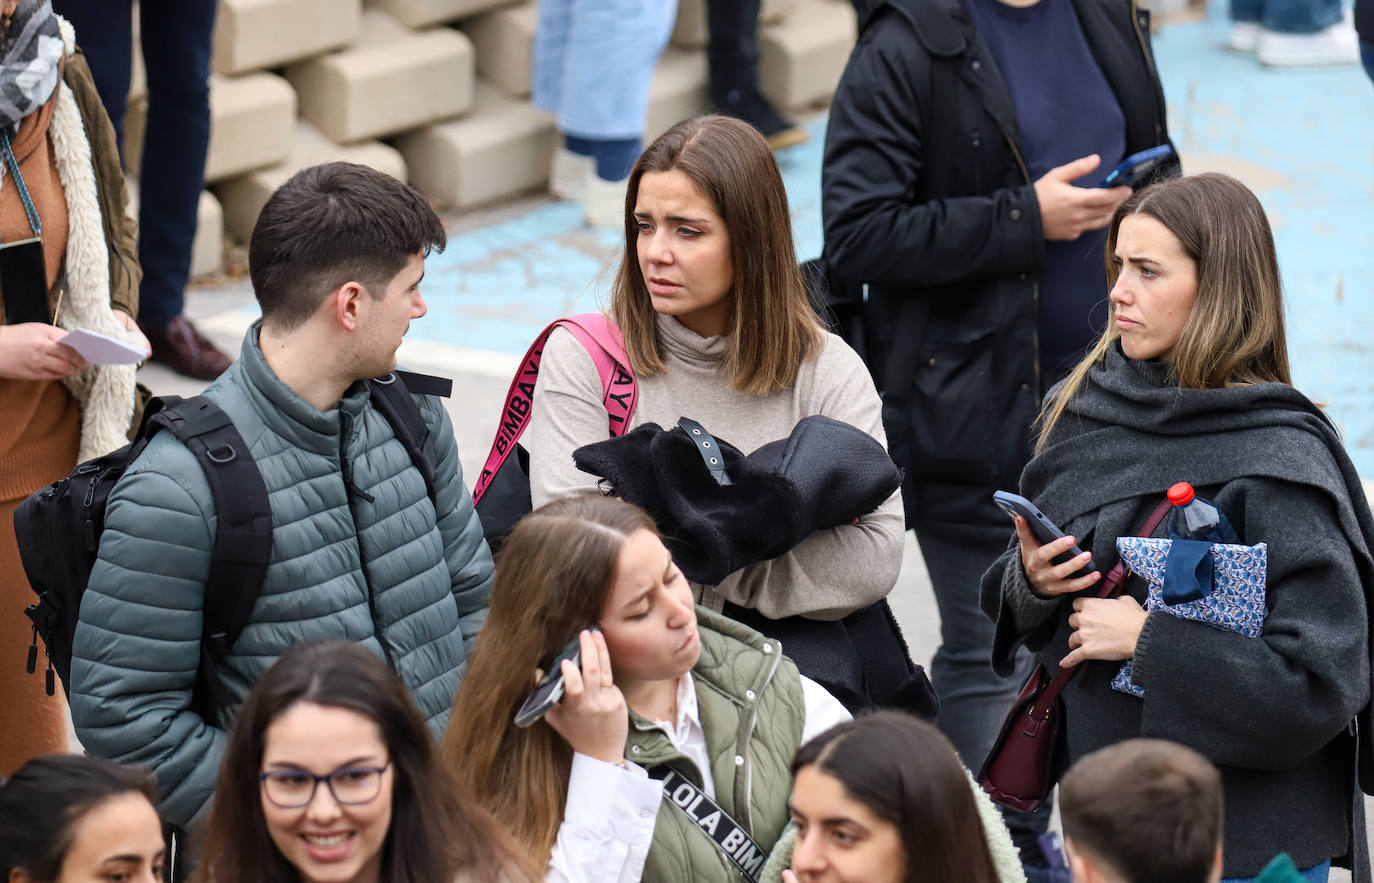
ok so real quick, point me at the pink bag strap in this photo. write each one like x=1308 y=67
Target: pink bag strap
x=602 y=340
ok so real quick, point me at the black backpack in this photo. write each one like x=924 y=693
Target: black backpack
x=59 y=527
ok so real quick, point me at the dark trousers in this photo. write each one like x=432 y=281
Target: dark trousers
x=973 y=699
x=176 y=36
x=733 y=53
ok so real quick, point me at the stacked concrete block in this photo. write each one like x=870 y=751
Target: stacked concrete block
x=207 y=250
x=504 y=42
x=252 y=120
x=257 y=34
x=690 y=30
x=502 y=148
x=244 y=196
x=390 y=80
x=678 y=91
x=423 y=13
x=803 y=55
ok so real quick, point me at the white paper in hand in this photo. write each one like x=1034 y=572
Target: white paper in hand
x=101 y=349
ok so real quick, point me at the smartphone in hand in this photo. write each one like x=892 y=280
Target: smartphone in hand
x=1044 y=530
x=1136 y=167
x=549 y=690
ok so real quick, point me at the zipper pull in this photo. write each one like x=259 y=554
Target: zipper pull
x=33 y=652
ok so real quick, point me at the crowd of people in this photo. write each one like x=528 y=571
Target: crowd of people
x=592 y=701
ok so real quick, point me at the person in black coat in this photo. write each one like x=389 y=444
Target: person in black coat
x=964 y=143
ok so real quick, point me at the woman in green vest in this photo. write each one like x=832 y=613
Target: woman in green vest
x=669 y=756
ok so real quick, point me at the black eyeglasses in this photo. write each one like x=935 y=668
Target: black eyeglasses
x=350 y=786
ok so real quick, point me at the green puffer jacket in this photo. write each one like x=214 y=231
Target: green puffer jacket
x=375 y=566
x=752 y=710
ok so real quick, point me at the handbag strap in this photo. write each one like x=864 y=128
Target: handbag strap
x=602 y=340
x=1111 y=587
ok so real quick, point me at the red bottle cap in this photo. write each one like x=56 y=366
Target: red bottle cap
x=1180 y=494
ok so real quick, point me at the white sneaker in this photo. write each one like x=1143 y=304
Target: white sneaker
x=604 y=202
x=1243 y=36
x=1335 y=45
x=569 y=173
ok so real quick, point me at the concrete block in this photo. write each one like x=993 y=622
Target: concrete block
x=243 y=197
x=678 y=91
x=802 y=57
x=423 y=13
x=391 y=79
x=256 y=34
x=207 y=249
x=504 y=42
x=252 y=119
x=503 y=147
x=690 y=31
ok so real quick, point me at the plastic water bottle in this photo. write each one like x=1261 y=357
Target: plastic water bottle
x=1194 y=518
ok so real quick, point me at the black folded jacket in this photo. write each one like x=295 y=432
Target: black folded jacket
x=824 y=474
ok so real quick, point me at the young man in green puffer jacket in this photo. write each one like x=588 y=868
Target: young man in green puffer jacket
x=360 y=550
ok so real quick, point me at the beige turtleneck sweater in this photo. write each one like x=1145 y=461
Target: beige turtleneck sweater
x=830 y=574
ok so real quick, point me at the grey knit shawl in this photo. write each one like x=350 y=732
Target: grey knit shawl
x=1130 y=431
x=30 y=56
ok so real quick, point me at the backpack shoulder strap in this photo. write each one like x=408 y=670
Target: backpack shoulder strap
x=602 y=340
x=243 y=532
x=394 y=396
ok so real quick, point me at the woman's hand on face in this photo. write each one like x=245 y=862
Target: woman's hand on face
x=1045 y=577
x=592 y=716
x=30 y=351
x=1104 y=628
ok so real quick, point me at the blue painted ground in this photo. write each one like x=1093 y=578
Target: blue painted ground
x=1303 y=140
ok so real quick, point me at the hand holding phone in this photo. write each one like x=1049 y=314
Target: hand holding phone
x=1053 y=563
x=592 y=716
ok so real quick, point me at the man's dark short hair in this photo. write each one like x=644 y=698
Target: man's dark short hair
x=332 y=224
x=1150 y=810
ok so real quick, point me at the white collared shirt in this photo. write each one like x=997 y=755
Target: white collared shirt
x=608 y=819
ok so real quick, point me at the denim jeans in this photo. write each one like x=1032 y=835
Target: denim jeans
x=176 y=38
x=973 y=699
x=593 y=60
x=1320 y=874
x=1367 y=56
x=1288 y=16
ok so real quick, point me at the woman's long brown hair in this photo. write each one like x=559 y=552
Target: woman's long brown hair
x=438 y=832
x=906 y=772
x=1234 y=334
x=553 y=577
x=773 y=327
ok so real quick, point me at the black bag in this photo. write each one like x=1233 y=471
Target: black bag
x=58 y=528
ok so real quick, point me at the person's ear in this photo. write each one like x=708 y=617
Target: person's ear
x=1081 y=868
x=348 y=305
x=18 y=875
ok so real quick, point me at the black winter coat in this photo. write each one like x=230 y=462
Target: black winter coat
x=926 y=198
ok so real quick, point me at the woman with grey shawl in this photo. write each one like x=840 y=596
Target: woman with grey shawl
x=1190 y=382
x=66 y=261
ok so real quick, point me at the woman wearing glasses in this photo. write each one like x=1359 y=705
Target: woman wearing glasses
x=330 y=775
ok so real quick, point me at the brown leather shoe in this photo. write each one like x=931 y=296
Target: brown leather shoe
x=185 y=350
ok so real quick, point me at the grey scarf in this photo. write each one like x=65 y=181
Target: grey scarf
x=30 y=57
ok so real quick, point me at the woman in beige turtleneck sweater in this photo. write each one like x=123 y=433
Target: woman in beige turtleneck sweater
x=719 y=328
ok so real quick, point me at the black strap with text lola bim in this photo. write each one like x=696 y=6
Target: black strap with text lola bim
x=728 y=835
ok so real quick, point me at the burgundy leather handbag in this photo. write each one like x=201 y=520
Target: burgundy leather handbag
x=1029 y=754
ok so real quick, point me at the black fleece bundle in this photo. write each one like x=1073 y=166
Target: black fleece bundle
x=824 y=474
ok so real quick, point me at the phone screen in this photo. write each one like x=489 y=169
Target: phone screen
x=24 y=282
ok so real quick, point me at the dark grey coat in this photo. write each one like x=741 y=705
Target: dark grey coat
x=1273 y=712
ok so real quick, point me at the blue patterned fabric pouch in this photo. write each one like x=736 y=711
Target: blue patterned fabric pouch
x=1236 y=602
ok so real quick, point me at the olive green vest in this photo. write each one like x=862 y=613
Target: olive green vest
x=752 y=711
